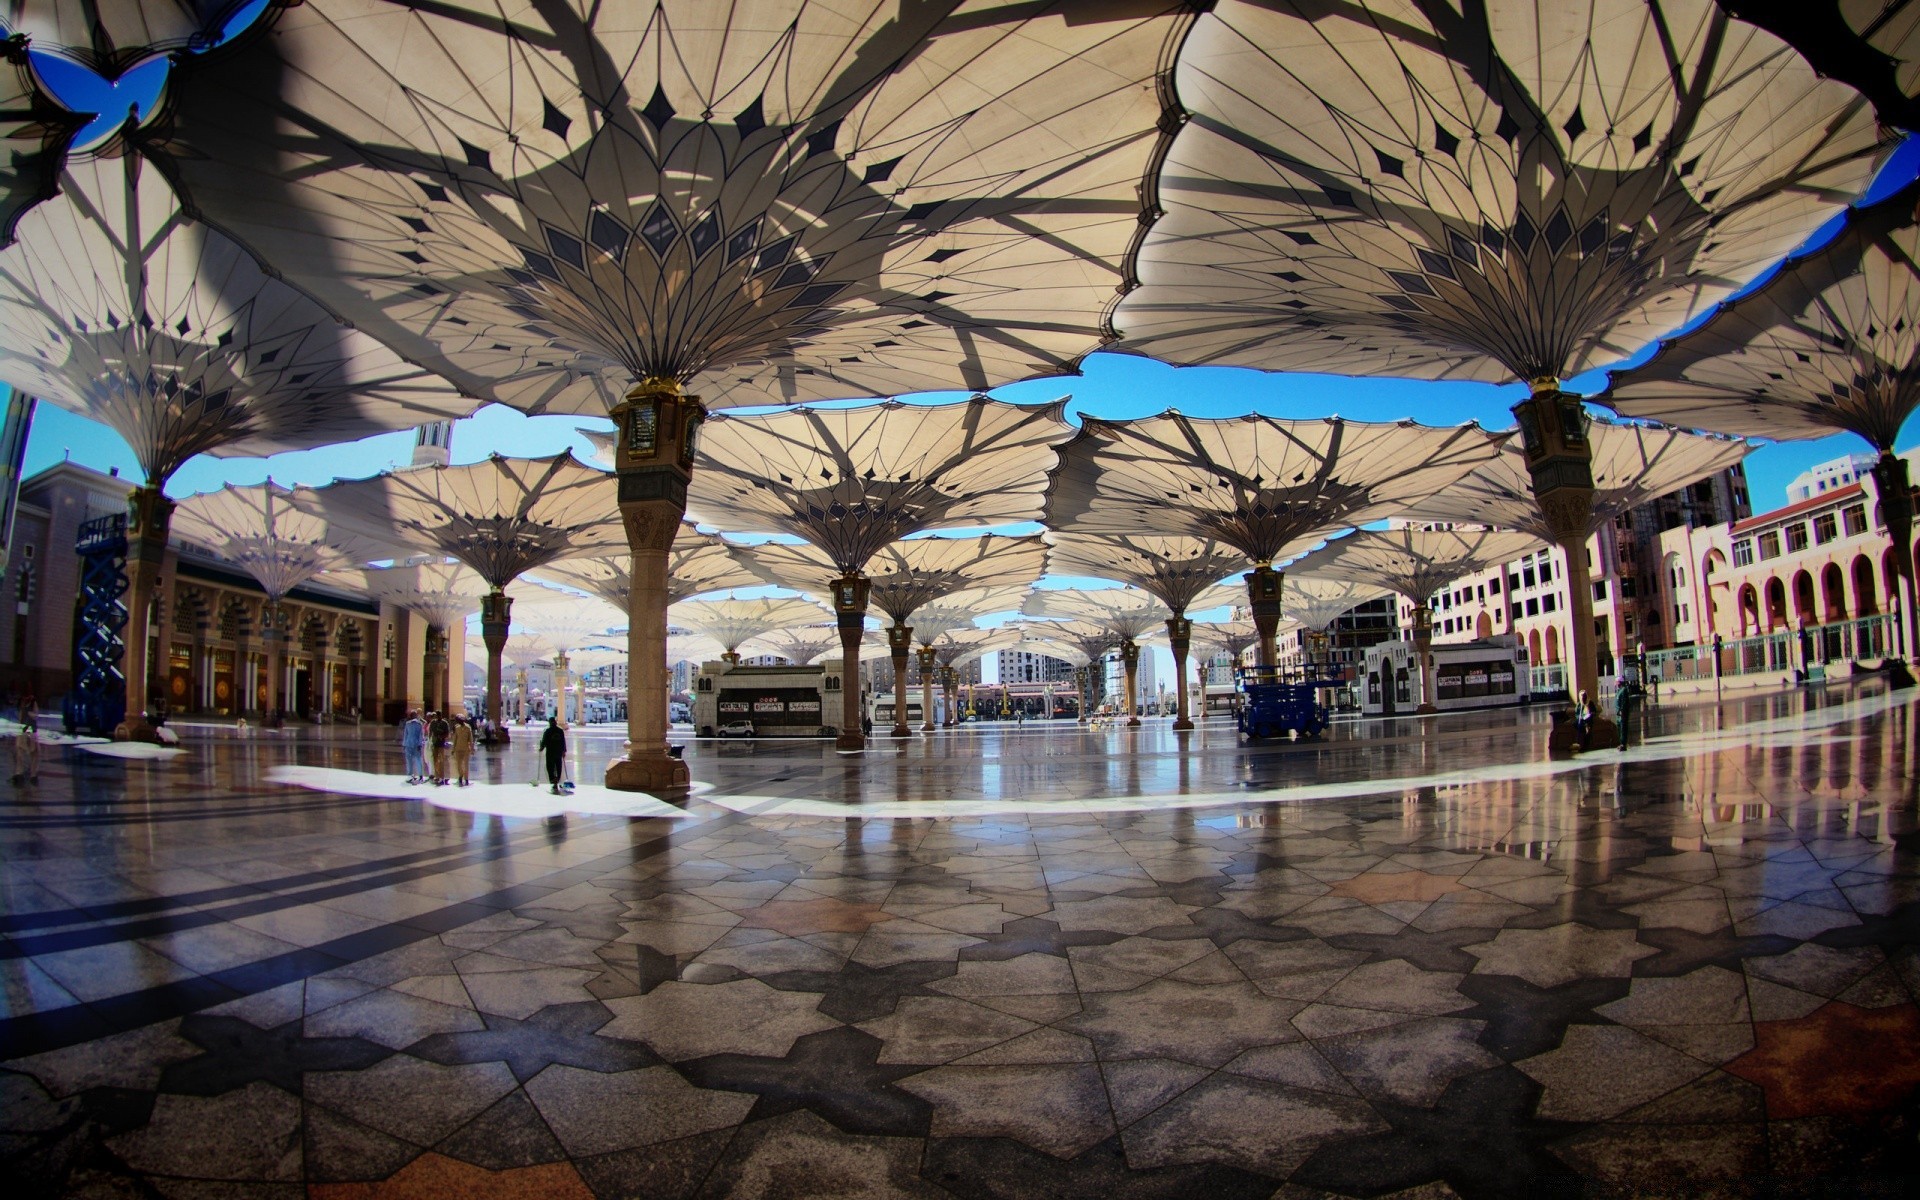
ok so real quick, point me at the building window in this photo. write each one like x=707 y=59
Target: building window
x=1533 y=607
x=1743 y=553
x=1825 y=528
x=1493 y=585
x=1856 y=515
x=1796 y=537
x=1769 y=545
x=1600 y=589
x=1549 y=602
x=1528 y=578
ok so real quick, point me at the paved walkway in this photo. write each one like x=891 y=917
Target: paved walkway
x=1001 y=961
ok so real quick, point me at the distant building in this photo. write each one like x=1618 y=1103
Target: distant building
x=1829 y=477
x=1023 y=666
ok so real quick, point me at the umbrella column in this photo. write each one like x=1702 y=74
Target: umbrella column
x=1130 y=664
x=657 y=426
x=433 y=663
x=928 y=665
x=496 y=616
x=1180 y=637
x=1553 y=428
x=1423 y=650
x=1896 y=509
x=900 y=643
x=1263 y=600
x=850 y=594
x=1080 y=691
x=273 y=635
x=950 y=680
x=560 y=686
x=149 y=513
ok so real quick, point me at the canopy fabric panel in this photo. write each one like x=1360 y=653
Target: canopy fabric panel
x=259 y=530
x=851 y=480
x=1830 y=343
x=1224 y=637
x=567 y=619
x=501 y=516
x=1176 y=570
x=691 y=647
x=772 y=203
x=961 y=609
x=1262 y=485
x=1417 y=563
x=443 y=594
x=1091 y=638
x=1632 y=464
x=114 y=305
x=735 y=622
x=1872 y=45
x=1127 y=614
x=112 y=35
x=912 y=573
x=1317 y=603
x=34 y=136
x=1511 y=190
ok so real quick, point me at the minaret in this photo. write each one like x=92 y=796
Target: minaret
x=433 y=444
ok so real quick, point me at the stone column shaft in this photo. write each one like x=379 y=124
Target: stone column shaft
x=1264 y=585
x=149 y=516
x=1179 y=635
x=850 y=593
x=900 y=643
x=1423 y=650
x=496 y=617
x=927 y=668
x=1896 y=509
x=1130 y=663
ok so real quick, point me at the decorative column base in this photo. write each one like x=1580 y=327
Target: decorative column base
x=661 y=776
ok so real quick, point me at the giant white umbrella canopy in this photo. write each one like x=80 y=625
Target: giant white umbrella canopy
x=111 y=35
x=1233 y=638
x=500 y=516
x=698 y=563
x=1176 y=569
x=34 y=136
x=566 y=621
x=1127 y=614
x=258 y=529
x=801 y=646
x=116 y=306
x=685 y=646
x=1632 y=464
x=1829 y=344
x=905 y=576
x=849 y=481
x=1090 y=640
x=1264 y=486
x=1317 y=603
x=602 y=208
x=734 y=622
x=1417 y=563
x=1502 y=191
x=1871 y=45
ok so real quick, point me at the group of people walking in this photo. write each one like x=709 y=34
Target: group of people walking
x=439 y=748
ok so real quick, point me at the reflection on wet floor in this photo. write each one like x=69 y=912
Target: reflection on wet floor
x=1000 y=961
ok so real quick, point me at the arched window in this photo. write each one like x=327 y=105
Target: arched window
x=1866 y=597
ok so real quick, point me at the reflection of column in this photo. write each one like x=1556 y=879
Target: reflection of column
x=1896 y=511
x=1263 y=598
x=1130 y=663
x=927 y=667
x=149 y=513
x=653 y=458
x=496 y=617
x=850 y=613
x=1179 y=635
x=900 y=644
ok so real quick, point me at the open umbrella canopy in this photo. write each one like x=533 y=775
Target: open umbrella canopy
x=567 y=619
x=443 y=594
x=1872 y=45
x=770 y=202
x=1126 y=614
x=1508 y=190
x=1174 y=569
x=851 y=480
x=259 y=530
x=802 y=646
x=961 y=610
x=34 y=136
x=1830 y=343
x=913 y=573
x=1632 y=464
x=1261 y=485
x=697 y=564
x=1317 y=603
x=501 y=516
x=1225 y=637
x=1090 y=639
x=684 y=646
x=116 y=306
x=1417 y=563
x=111 y=35
x=733 y=622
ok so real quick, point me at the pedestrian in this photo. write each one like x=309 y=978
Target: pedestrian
x=1625 y=700
x=440 y=736
x=29 y=709
x=26 y=754
x=462 y=749
x=413 y=743
x=1583 y=719
x=554 y=744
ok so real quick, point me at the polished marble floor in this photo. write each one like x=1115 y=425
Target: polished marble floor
x=1035 y=961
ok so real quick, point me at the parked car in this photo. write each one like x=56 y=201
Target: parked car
x=737 y=729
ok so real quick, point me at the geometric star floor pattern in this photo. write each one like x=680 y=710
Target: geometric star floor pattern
x=1690 y=971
